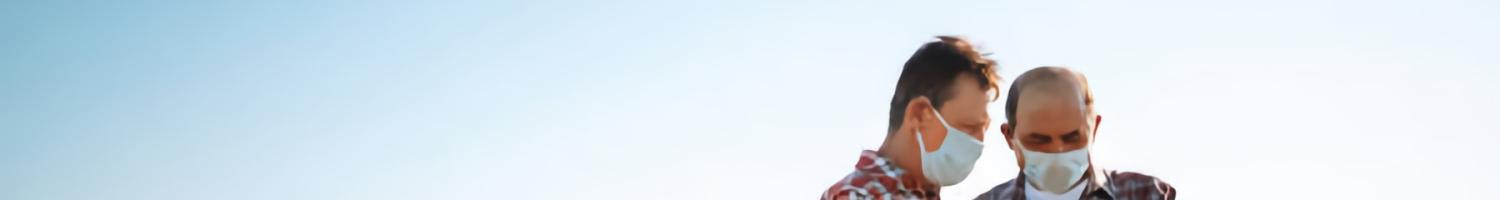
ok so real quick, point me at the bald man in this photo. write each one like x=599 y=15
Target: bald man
x=1050 y=125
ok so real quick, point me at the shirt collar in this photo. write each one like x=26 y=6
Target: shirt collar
x=872 y=164
x=1098 y=183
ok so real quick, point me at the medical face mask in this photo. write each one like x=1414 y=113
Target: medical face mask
x=953 y=161
x=1054 y=172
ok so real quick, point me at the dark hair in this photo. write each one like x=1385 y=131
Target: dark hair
x=1040 y=75
x=931 y=70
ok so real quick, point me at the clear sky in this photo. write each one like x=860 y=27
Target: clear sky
x=763 y=99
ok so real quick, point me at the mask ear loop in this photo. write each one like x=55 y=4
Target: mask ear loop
x=940 y=117
x=920 y=144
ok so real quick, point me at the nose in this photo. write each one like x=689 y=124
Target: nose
x=978 y=134
x=1058 y=146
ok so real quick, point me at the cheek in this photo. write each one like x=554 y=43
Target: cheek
x=1020 y=161
x=933 y=134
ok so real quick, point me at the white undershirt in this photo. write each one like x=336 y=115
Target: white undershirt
x=1072 y=194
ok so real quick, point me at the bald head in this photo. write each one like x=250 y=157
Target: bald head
x=1050 y=110
x=1048 y=81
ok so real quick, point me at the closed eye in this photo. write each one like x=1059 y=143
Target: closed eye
x=1037 y=138
x=1072 y=136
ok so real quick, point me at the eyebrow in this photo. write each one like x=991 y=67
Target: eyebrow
x=1074 y=132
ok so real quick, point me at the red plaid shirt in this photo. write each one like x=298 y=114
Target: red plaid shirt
x=875 y=177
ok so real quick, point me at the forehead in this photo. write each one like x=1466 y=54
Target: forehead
x=966 y=99
x=966 y=87
x=1050 y=106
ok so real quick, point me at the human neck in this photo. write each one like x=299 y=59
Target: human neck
x=906 y=155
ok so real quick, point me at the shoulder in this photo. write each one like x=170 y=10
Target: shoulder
x=1129 y=183
x=1003 y=191
x=844 y=188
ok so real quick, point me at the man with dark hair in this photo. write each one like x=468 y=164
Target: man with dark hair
x=1050 y=125
x=937 y=123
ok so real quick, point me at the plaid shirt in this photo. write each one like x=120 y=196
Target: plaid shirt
x=1114 y=185
x=875 y=177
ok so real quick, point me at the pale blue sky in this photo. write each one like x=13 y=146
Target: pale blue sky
x=179 y=100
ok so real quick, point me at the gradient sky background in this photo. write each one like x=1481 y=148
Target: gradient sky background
x=279 y=99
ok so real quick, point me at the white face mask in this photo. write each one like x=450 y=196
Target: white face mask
x=953 y=161
x=1054 y=172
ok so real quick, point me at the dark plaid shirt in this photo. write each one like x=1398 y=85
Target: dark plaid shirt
x=1114 y=185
